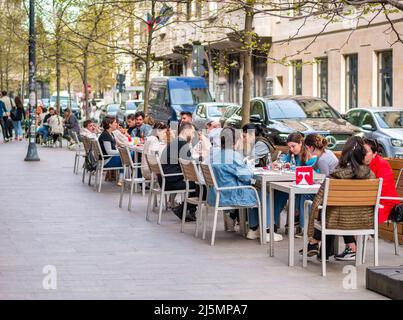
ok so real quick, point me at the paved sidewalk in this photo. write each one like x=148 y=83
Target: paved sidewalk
x=48 y=217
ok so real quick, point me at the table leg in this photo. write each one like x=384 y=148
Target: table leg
x=271 y=222
x=136 y=160
x=264 y=220
x=291 y=217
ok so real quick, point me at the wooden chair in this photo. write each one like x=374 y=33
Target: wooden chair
x=154 y=164
x=346 y=193
x=129 y=175
x=189 y=170
x=210 y=181
x=101 y=164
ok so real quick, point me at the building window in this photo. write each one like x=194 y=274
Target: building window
x=352 y=81
x=188 y=9
x=385 y=78
x=297 y=75
x=323 y=78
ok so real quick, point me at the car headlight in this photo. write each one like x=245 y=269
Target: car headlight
x=396 y=142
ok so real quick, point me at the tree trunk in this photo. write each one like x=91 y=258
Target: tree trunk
x=148 y=59
x=85 y=82
x=247 y=55
x=58 y=75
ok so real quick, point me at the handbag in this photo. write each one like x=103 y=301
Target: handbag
x=396 y=215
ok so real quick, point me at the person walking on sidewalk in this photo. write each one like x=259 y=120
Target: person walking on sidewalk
x=17 y=114
x=3 y=113
x=71 y=124
x=7 y=121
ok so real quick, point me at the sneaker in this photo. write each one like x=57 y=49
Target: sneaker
x=277 y=237
x=299 y=233
x=346 y=255
x=313 y=249
x=253 y=234
x=229 y=223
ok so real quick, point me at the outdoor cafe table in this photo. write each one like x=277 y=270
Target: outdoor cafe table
x=267 y=177
x=292 y=189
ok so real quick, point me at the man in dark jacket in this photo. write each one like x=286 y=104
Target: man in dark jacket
x=179 y=148
x=71 y=125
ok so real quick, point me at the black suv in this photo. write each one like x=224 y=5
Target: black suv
x=282 y=115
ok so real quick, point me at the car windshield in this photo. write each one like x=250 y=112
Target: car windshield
x=53 y=98
x=217 y=111
x=113 y=107
x=291 y=109
x=190 y=96
x=390 y=119
x=131 y=106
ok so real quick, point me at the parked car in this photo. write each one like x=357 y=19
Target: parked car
x=171 y=95
x=210 y=111
x=282 y=115
x=74 y=107
x=115 y=110
x=228 y=113
x=131 y=107
x=385 y=124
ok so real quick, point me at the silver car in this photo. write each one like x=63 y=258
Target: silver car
x=385 y=124
x=211 y=111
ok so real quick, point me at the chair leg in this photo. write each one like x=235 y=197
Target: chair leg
x=83 y=179
x=214 y=226
x=122 y=190
x=160 y=209
x=307 y=208
x=185 y=207
x=205 y=223
x=78 y=163
x=376 y=248
x=144 y=188
x=364 y=248
x=75 y=164
x=395 y=238
x=100 y=179
x=150 y=201
x=323 y=253
x=358 y=254
x=129 y=207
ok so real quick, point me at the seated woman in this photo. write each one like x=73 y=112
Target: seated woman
x=156 y=141
x=108 y=145
x=381 y=168
x=297 y=149
x=326 y=162
x=351 y=166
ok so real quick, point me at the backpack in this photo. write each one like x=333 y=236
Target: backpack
x=14 y=114
x=396 y=215
x=90 y=162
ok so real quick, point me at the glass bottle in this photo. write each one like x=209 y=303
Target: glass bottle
x=293 y=164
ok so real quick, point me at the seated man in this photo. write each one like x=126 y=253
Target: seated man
x=89 y=130
x=140 y=130
x=179 y=148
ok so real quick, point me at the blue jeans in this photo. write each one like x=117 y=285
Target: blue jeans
x=17 y=128
x=115 y=161
x=281 y=199
x=43 y=131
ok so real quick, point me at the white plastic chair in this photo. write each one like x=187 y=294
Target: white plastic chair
x=210 y=181
x=129 y=176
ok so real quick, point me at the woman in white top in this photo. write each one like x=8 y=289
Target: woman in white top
x=156 y=141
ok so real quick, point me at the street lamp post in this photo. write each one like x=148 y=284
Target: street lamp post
x=32 y=153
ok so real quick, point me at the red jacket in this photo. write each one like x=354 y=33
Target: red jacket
x=381 y=168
